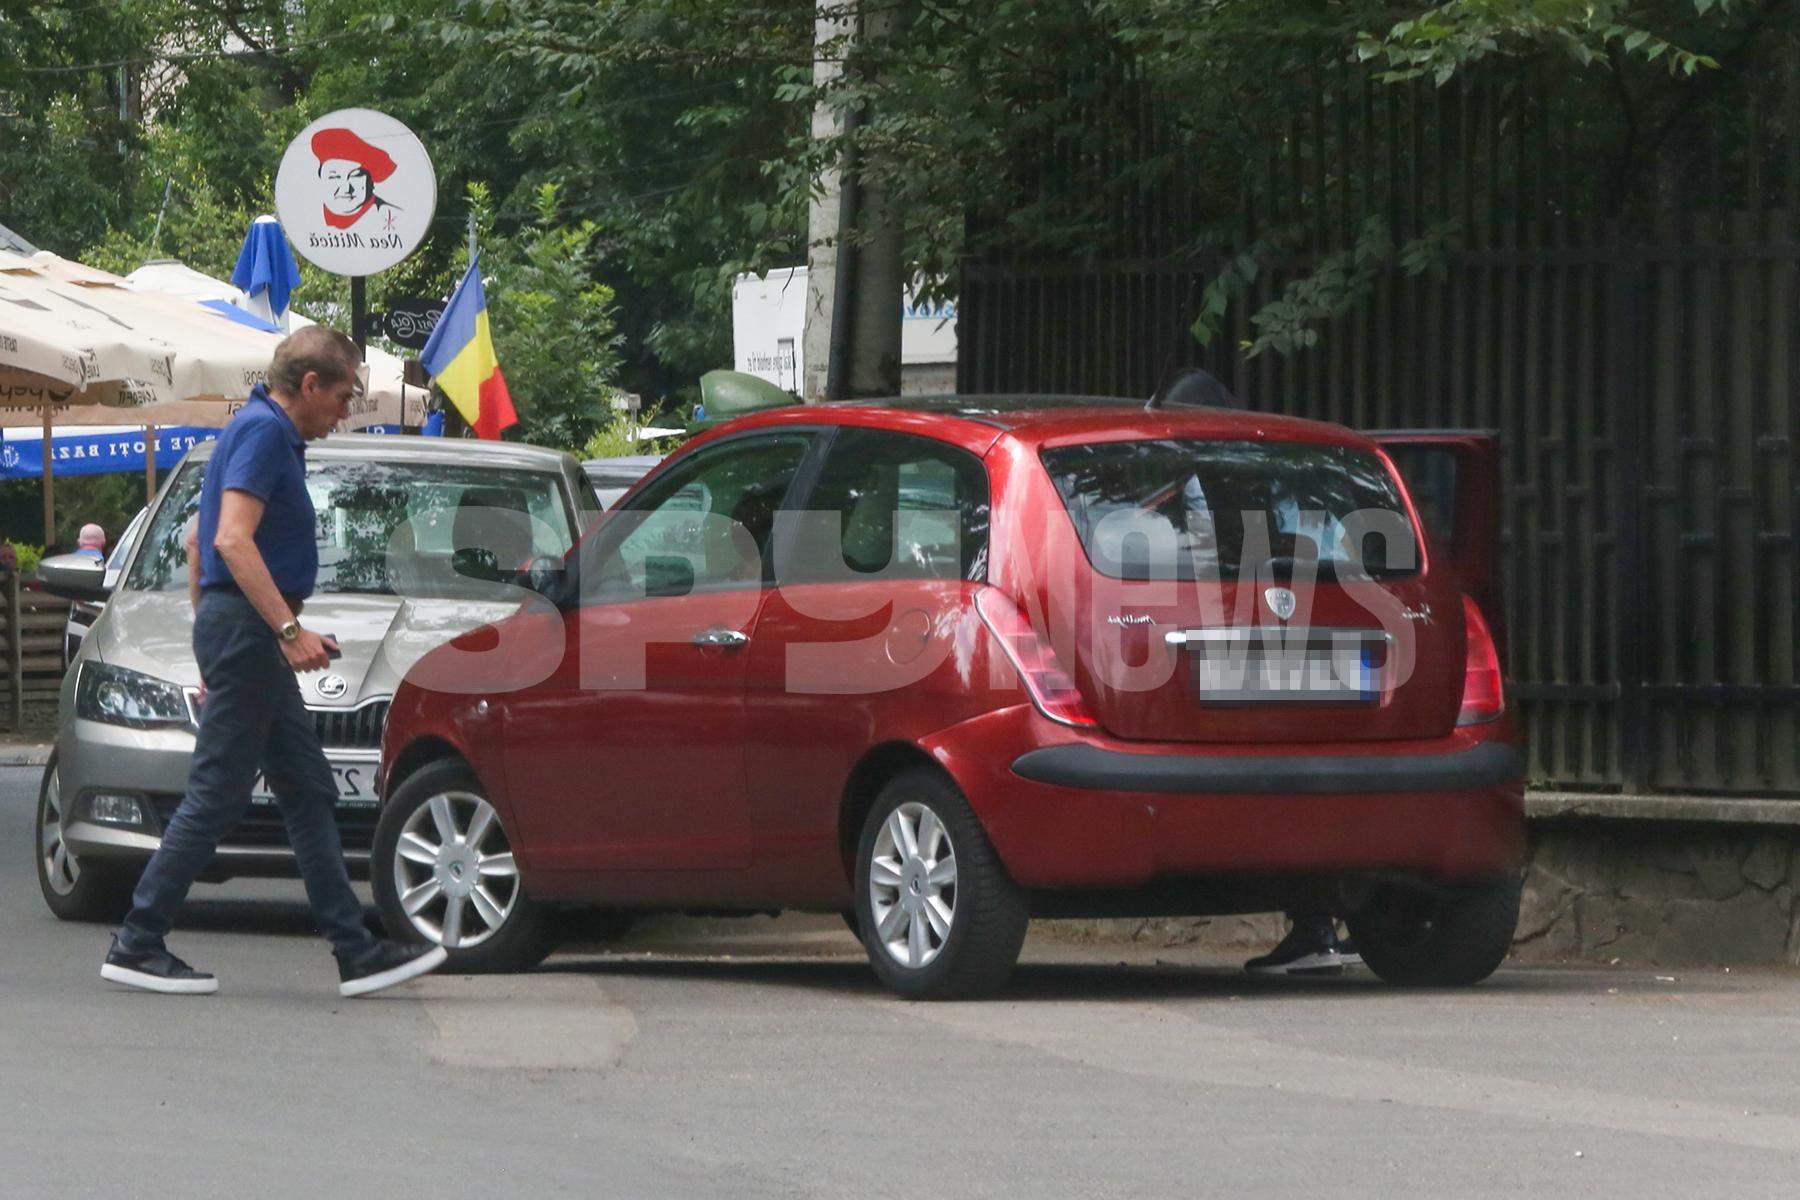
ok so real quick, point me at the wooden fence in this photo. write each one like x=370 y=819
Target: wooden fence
x=31 y=646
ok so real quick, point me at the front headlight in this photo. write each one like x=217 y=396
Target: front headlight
x=120 y=697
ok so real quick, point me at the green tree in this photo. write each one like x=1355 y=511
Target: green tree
x=552 y=324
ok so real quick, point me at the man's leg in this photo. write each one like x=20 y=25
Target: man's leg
x=237 y=658
x=304 y=787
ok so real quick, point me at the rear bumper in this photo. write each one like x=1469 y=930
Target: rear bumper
x=1080 y=765
x=1067 y=809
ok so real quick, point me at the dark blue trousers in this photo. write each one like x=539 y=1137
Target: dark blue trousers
x=252 y=718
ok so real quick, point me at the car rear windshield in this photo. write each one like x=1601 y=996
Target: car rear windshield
x=1193 y=509
x=386 y=527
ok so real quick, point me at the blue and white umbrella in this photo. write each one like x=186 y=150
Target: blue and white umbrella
x=266 y=272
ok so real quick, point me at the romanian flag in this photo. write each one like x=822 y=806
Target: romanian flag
x=460 y=359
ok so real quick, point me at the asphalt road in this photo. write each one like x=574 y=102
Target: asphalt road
x=758 y=1058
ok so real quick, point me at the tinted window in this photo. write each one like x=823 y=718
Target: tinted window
x=897 y=506
x=1177 y=508
x=711 y=515
x=1430 y=475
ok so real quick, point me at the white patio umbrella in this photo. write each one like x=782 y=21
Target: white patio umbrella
x=85 y=338
x=390 y=399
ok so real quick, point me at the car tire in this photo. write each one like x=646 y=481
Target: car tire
x=973 y=952
x=1451 y=936
x=76 y=890
x=430 y=859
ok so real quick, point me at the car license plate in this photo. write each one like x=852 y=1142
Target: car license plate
x=355 y=785
x=1297 y=666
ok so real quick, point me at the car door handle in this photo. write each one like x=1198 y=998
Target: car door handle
x=727 y=638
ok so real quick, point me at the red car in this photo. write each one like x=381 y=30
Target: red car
x=945 y=665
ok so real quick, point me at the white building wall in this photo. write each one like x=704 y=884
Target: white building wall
x=768 y=326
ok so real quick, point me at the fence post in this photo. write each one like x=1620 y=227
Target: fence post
x=1631 y=281
x=15 y=646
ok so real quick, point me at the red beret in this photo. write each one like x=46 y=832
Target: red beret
x=341 y=143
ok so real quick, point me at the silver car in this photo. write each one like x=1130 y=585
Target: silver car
x=410 y=555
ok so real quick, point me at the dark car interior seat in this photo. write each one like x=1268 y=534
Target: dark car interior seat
x=496 y=520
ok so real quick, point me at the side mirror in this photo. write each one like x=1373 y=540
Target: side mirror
x=75 y=577
x=476 y=562
x=668 y=575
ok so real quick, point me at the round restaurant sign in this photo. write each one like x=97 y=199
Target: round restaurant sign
x=355 y=192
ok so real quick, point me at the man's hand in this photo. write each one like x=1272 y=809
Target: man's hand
x=307 y=651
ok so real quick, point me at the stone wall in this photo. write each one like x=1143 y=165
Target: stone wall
x=1665 y=892
x=1671 y=893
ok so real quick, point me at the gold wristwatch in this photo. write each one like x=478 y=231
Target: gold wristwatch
x=288 y=632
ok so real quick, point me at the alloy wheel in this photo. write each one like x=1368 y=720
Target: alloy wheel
x=454 y=871
x=61 y=870
x=912 y=885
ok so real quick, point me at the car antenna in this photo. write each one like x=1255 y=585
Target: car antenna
x=1192 y=385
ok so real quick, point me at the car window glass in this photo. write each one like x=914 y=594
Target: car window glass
x=122 y=548
x=1430 y=475
x=1179 y=508
x=417 y=529
x=901 y=507
x=163 y=564
x=711 y=516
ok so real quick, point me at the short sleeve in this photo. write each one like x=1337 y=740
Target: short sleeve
x=256 y=461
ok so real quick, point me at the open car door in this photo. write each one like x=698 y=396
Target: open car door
x=1454 y=478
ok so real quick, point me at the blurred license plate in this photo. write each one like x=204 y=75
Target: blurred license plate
x=1324 y=666
x=355 y=785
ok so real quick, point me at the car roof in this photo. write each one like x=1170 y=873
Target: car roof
x=625 y=466
x=976 y=422
x=400 y=447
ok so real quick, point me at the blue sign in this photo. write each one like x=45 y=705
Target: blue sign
x=95 y=453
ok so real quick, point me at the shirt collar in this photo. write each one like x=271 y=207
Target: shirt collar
x=261 y=392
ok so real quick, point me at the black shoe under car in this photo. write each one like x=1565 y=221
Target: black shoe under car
x=1308 y=949
x=156 y=971
x=386 y=964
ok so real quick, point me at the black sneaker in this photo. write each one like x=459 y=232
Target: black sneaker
x=1346 y=948
x=1310 y=948
x=155 y=971
x=385 y=964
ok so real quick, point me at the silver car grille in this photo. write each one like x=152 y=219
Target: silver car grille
x=351 y=728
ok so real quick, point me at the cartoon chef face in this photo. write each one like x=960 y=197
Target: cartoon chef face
x=347 y=185
x=349 y=169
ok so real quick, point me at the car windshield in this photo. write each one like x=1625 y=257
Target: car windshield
x=416 y=529
x=1187 y=509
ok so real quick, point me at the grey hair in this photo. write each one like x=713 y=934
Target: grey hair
x=315 y=349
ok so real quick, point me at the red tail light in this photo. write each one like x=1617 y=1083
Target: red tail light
x=1051 y=688
x=1483 y=699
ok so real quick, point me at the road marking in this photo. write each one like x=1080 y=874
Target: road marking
x=1158 y=1042
x=525 y=1022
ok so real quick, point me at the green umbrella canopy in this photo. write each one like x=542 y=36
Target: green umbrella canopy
x=728 y=394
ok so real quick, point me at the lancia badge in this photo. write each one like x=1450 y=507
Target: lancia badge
x=1281 y=602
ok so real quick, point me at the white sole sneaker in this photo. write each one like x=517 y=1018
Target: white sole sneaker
x=1323 y=962
x=156 y=983
x=430 y=961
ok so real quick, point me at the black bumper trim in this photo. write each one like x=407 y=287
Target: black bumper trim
x=1492 y=764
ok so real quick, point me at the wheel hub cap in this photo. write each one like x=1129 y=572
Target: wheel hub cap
x=912 y=885
x=453 y=870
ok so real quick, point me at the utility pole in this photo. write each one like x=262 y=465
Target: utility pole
x=854 y=283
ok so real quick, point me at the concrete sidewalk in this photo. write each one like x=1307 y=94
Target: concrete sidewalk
x=20 y=752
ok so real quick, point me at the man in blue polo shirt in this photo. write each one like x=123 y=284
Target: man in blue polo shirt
x=252 y=561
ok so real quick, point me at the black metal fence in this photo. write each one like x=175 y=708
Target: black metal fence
x=1643 y=380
